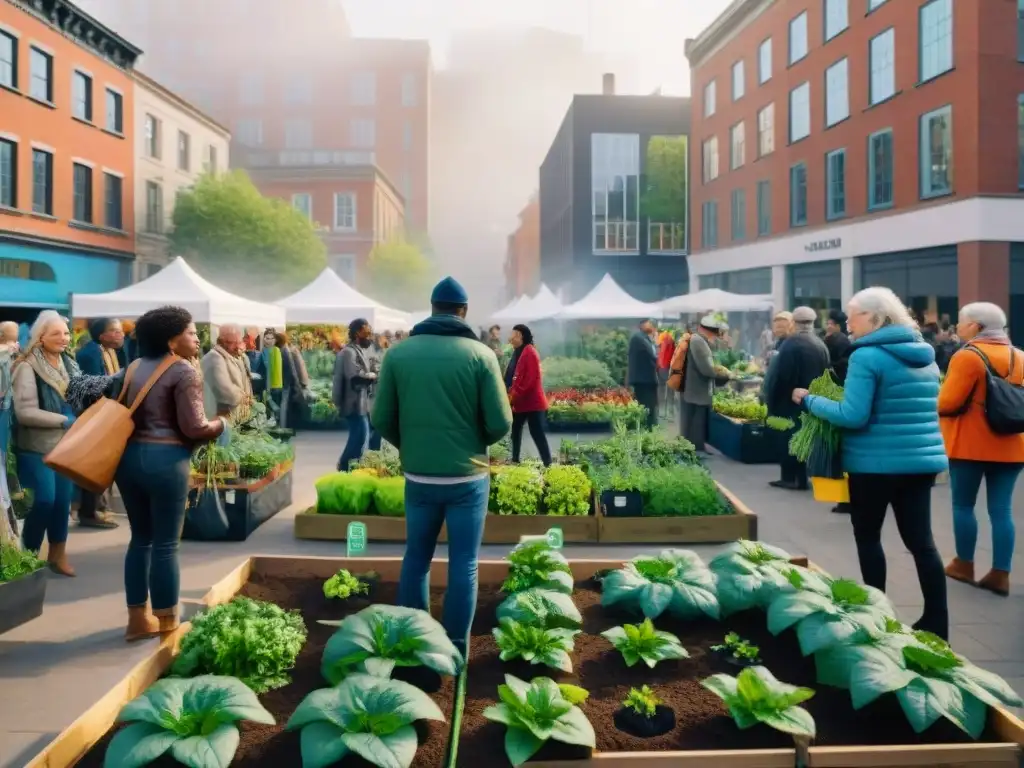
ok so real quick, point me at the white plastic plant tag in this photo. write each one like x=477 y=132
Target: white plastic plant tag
x=229 y=497
x=620 y=501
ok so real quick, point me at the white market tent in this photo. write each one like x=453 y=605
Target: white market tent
x=330 y=300
x=717 y=300
x=512 y=311
x=543 y=306
x=179 y=285
x=608 y=301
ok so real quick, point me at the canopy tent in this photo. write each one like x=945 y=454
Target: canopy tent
x=330 y=300
x=543 y=306
x=511 y=311
x=179 y=285
x=608 y=301
x=717 y=300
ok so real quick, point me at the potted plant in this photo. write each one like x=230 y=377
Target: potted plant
x=22 y=584
x=643 y=714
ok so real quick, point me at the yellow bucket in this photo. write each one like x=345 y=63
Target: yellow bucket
x=832 y=491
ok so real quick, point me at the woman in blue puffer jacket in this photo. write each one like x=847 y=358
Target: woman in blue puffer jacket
x=892 y=447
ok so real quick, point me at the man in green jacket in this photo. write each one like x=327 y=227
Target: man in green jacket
x=441 y=401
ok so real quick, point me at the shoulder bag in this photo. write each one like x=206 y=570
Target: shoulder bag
x=1004 y=400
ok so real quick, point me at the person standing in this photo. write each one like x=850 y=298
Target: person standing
x=294 y=377
x=802 y=358
x=700 y=376
x=270 y=367
x=379 y=349
x=642 y=370
x=526 y=394
x=976 y=453
x=8 y=352
x=353 y=378
x=227 y=380
x=892 y=448
x=666 y=348
x=441 y=401
x=839 y=351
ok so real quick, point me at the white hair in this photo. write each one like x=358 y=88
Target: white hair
x=985 y=314
x=884 y=306
x=230 y=328
x=42 y=324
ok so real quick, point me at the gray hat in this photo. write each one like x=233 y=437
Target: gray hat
x=712 y=323
x=804 y=315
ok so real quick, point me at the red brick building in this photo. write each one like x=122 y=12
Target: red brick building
x=839 y=144
x=522 y=259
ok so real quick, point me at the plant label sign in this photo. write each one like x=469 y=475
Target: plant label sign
x=355 y=540
x=555 y=538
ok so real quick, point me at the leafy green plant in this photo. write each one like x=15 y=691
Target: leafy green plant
x=541 y=608
x=738 y=648
x=381 y=637
x=535 y=564
x=779 y=424
x=385 y=462
x=516 y=490
x=370 y=717
x=676 y=581
x=642 y=642
x=643 y=701
x=575 y=373
x=749 y=574
x=739 y=407
x=535 y=713
x=345 y=493
x=389 y=496
x=835 y=664
x=814 y=431
x=659 y=450
x=687 y=491
x=195 y=720
x=537 y=645
x=16 y=562
x=566 y=490
x=344 y=585
x=256 y=642
x=755 y=696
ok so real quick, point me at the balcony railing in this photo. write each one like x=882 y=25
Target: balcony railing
x=304 y=158
x=665 y=237
x=616 y=236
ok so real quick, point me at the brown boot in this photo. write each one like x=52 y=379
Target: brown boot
x=168 y=618
x=960 y=570
x=58 y=560
x=997 y=582
x=141 y=623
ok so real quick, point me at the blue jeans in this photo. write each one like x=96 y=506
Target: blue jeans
x=51 y=502
x=358 y=434
x=427 y=507
x=965 y=479
x=153 y=480
x=375 y=440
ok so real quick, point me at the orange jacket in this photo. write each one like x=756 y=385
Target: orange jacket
x=968 y=436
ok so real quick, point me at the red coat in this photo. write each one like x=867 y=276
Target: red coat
x=527 y=392
x=668 y=348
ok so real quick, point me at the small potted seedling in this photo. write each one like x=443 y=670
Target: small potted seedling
x=643 y=714
x=345 y=586
x=735 y=650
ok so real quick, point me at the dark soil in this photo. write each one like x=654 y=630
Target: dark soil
x=264 y=746
x=702 y=722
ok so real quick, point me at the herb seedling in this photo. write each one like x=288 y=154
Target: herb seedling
x=344 y=585
x=537 y=645
x=643 y=701
x=738 y=648
x=642 y=642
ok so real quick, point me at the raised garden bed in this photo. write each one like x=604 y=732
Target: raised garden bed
x=579 y=427
x=747 y=442
x=21 y=598
x=246 y=504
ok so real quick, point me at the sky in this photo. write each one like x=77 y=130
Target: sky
x=650 y=31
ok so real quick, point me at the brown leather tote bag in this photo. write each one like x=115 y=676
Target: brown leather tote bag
x=92 y=448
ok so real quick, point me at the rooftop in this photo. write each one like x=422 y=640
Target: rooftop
x=77 y=25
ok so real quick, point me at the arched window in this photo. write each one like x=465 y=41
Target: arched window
x=21 y=269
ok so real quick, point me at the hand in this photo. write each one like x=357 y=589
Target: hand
x=256 y=377
x=799 y=395
x=224 y=438
x=69 y=420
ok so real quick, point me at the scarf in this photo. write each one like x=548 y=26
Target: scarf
x=510 y=372
x=110 y=362
x=56 y=376
x=275 y=368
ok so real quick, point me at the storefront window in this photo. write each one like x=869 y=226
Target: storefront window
x=745 y=281
x=817 y=285
x=926 y=280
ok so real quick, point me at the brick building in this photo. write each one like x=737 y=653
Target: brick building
x=522 y=258
x=839 y=144
x=67 y=156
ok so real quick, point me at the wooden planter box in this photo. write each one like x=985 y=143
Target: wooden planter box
x=247 y=505
x=747 y=443
x=310 y=525
x=580 y=427
x=21 y=600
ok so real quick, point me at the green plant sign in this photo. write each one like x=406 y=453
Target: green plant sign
x=355 y=540
x=555 y=538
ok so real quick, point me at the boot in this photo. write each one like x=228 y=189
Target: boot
x=58 y=559
x=168 y=619
x=141 y=623
x=960 y=570
x=997 y=582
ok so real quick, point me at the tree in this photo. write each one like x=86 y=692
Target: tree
x=398 y=274
x=664 y=199
x=231 y=233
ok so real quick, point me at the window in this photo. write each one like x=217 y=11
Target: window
x=882 y=53
x=936 y=25
x=42 y=182
x=1020 y=31
x=837 y=13
x=82 y=176
x=363 y=89
x=249 y=131
x=736 y=146
x=152 y=127
x=8 y=60
x=709 y=225
x=798 y=195
x=115 y=112
x=615 y=192
x=211 y=159
x=344 y=266
x=937 y=152
x=363 y=132
x=710 y=94
x=410 y=96
x=251 y=90
x=41 y=85
x=81 y=96
x=345 y=211
x=738 y=215
x=764 y=208
x=154 y=207
x=872 y=4
x=800 y=113
x=299 y=90
x=837 y=92
x=764 y=62
x=798 y=38
x=8 y=174
x=835 y=184
x=298 y=133
x=1020 y=142
x=709 y=154
x=407 y=136
x=738 y=83
x=880 y=180
x=184 y=151
x=766 y=130
x=303 y=202
x=112 y=195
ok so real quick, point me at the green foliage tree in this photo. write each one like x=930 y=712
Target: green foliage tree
x=229 y=232
x=664 y=198
x=400 y=275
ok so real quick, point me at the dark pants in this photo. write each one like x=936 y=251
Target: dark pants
x=375 y=440
x=535 y=421
x=358 y=436
x=693 y=423
x=911 y=499
x=153 y=480
x=89 y=503
x=51 y=502
x=794 y=471
x=647 y=396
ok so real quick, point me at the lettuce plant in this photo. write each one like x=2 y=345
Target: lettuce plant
x=749 y=574
x=642 y=642
x=541 y=608
x=755 y=696
x=536 y=565
x=344 y=585
x=829 y=616
x=194 y=719
x=537 y=645
x=676 y=581
x=739 y=649
x=835 y=663
x=370 y=717
x=643 y=701
x=536 y=712
x=382 y=637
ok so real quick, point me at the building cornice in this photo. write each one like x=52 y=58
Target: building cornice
x=76 y=25
x=190 y=109
x=721 y=30
x=296 y=173
x=69 y=246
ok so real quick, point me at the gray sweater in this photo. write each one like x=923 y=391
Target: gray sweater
x=700 y=372
x=353 y=378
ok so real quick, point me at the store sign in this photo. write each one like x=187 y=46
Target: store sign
x=824 y=245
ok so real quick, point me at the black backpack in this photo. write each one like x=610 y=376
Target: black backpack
x=1004 y=400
